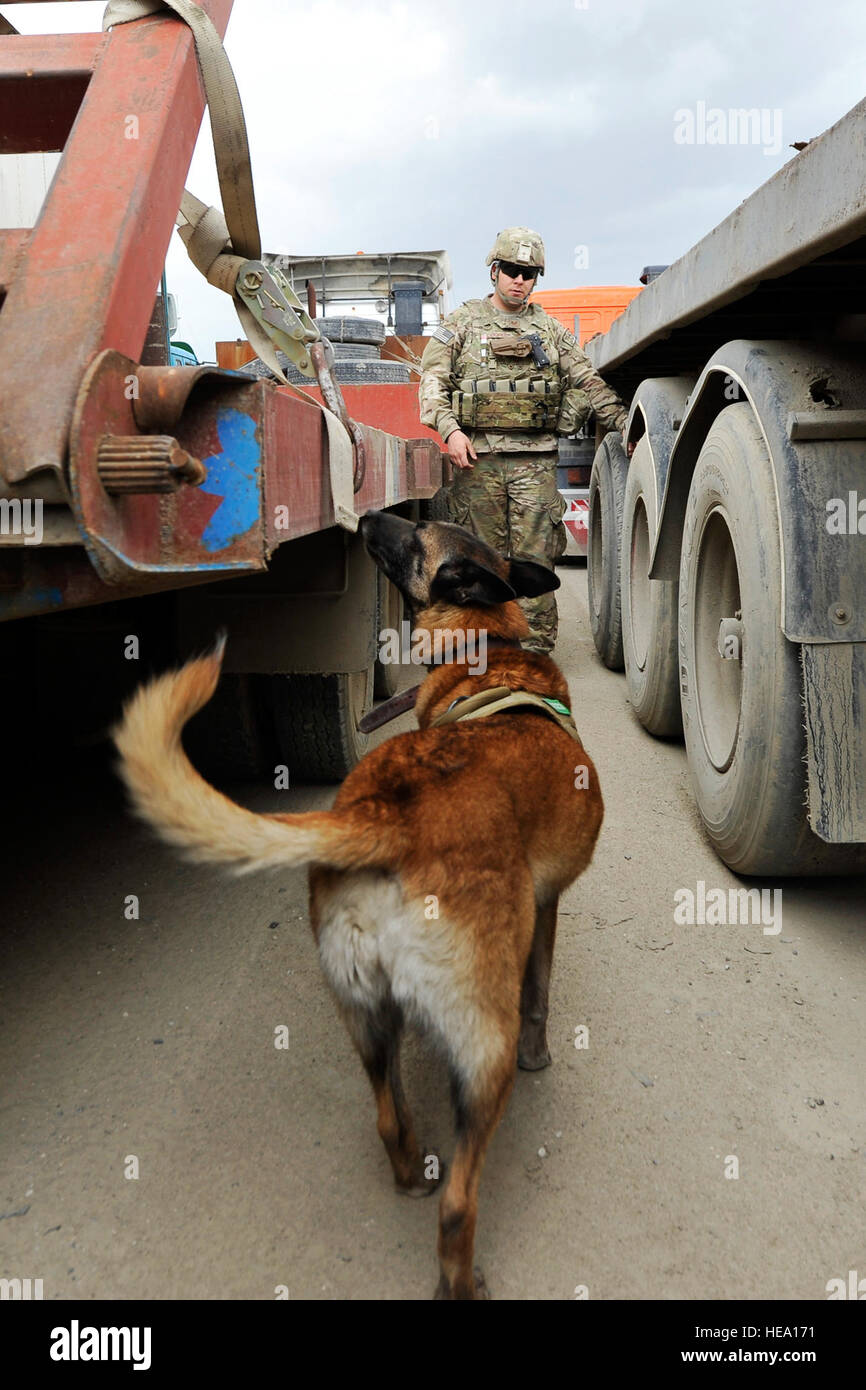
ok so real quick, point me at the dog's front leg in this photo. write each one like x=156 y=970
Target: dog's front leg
x=532 y=1050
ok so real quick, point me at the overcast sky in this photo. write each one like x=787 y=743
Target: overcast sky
x=394 y=125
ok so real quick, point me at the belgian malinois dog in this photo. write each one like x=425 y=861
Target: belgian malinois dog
x=434 y=880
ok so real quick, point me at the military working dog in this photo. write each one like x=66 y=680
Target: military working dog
x=435 y=878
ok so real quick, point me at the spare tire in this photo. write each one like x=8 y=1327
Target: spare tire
x=352 y=330
x=356 y=351
x=359 y=372
x=351 y=371
x=261 y=370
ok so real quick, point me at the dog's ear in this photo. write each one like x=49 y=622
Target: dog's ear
x=467 y=584
x=528 y=579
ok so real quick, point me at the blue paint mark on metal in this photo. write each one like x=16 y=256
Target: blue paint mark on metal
x=29 y=602
x=233 y=475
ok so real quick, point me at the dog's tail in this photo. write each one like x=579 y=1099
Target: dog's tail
x=187 y=811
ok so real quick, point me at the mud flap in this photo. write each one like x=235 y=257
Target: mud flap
x=834 y=682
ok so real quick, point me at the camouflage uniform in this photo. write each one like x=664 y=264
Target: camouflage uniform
x=509 y=497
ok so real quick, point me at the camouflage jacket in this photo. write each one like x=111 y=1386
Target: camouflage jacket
x=459 y=351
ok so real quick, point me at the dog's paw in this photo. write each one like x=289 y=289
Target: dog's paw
x=533 y=1057
x=481 y=1289
x=421 y=1185
x=481 y=1292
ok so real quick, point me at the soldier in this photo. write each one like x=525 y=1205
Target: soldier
x=500 y=379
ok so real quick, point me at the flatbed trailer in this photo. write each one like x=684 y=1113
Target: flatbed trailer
x=727 y=540
x=155 y=480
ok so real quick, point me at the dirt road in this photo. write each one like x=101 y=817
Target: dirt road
x=147 y=1045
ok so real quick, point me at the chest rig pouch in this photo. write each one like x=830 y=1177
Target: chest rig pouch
x=525 y=403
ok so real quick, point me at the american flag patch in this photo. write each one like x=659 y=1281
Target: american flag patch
x=443 y=334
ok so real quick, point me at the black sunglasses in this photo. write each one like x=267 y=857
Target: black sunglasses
x=529 y=272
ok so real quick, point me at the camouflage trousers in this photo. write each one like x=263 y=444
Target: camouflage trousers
x=511 y=501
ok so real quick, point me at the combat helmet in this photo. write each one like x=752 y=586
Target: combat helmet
x=521 y=245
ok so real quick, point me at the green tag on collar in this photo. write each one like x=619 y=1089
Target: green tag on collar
x=556 y=704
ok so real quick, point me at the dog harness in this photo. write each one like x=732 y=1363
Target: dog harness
x=500 y=698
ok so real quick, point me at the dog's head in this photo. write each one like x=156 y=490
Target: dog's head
x=435 y=562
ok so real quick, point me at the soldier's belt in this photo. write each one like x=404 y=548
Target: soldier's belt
x=530 y=403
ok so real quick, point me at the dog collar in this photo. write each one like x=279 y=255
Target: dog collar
x=500 y=698
x=405 y=700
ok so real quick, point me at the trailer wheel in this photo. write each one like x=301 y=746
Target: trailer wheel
x=606 y=492
x=316 y=721
x=649 y=606
x=740 y=680
x=389 y=611
x=230 y=739
x=436 y=508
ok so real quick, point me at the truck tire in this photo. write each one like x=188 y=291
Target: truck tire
x=743 y=718
x=435 y=508
x=606 y=492
x=352 y=330
x=389 y=614
x=316 y=721
x=648 y=607
x=230 y=739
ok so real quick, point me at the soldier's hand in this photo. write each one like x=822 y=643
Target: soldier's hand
x=460 y=449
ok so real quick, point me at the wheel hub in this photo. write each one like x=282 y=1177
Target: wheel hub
x=718 y=641
x=639 y=594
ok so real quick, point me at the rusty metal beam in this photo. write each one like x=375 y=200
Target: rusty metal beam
x=43 y=80
x=90 y=270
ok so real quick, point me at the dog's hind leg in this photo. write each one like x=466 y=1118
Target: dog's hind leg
x=533 y=1052
x=478 y=1106
x=377 y=1034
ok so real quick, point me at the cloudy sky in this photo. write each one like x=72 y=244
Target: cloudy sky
x=393 y=125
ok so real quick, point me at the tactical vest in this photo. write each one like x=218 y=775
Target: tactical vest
x=499 y=384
